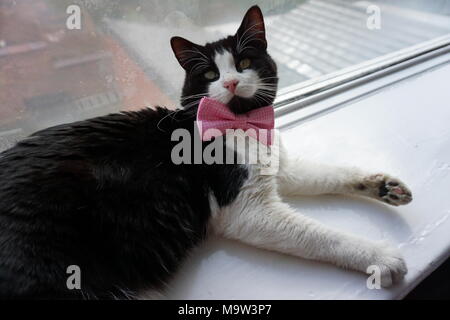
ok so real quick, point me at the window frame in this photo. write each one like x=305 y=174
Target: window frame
x=304 y=107
x=304 y=94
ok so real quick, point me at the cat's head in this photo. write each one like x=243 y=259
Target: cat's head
x=236 y=70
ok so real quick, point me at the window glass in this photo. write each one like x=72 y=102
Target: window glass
x=63 y=60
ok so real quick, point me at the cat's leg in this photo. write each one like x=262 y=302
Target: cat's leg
x=272 y=224
x=301 y=177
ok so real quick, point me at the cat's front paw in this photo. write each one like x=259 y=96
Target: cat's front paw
x=387 y=189
x=392 y=266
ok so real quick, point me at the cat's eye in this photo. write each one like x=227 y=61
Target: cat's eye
x=210 y=75
x=244 y=63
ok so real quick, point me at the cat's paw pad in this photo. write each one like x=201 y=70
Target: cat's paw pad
x=389 y=190
x=392 y=266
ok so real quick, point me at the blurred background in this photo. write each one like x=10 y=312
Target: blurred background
x=120 y=58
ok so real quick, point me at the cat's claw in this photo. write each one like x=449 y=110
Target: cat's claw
x=388 y=189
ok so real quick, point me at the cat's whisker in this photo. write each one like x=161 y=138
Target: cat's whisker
x=201 y=53
x=264 y=94
x=203 y=60
x=262 y=99
x=267 y=90
x=200 y=66
x=257 y=98
x=264 y=78
x=184 y=98
x=267 y=83
x=258 y=87
x=261 y=83
x=258 y=84
x=266 y=98
x=195 y=52
x=194 y=58
x=242 y=41
x=249 y=38
x=191 y=104
x=168 y=115
x=239 y=40
x=251 y=47
x=175 y=112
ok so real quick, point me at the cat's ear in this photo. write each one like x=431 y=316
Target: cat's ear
x=252 y=30
x=184 y=50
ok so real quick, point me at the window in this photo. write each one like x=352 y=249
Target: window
x=56 y=68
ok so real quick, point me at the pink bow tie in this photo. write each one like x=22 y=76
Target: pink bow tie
x=213 y=114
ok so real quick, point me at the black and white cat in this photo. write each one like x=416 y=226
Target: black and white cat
x=104 y=194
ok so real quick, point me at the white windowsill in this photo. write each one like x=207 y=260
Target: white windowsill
x=402 y=129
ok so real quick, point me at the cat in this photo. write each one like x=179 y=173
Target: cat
x=105 y=196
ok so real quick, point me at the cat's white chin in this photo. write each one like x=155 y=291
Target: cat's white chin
x=243 y=93
x=246 y=92
x=225 y=98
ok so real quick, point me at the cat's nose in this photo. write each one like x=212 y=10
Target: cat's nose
x=231 y=85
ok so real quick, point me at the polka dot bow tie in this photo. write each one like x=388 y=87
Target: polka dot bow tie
x=215 y=118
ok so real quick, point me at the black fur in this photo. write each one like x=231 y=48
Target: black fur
x=102 y=194
x=105 y=195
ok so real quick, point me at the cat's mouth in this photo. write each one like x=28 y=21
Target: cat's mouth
x=251 y=98
x=247 y=98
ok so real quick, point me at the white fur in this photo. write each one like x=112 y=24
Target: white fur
x=259 y=217
x=248 y=79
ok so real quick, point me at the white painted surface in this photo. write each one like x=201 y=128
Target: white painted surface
x=403 y=130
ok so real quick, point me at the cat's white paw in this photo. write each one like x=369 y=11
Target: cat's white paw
x=386 y=188
x=389 y=260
